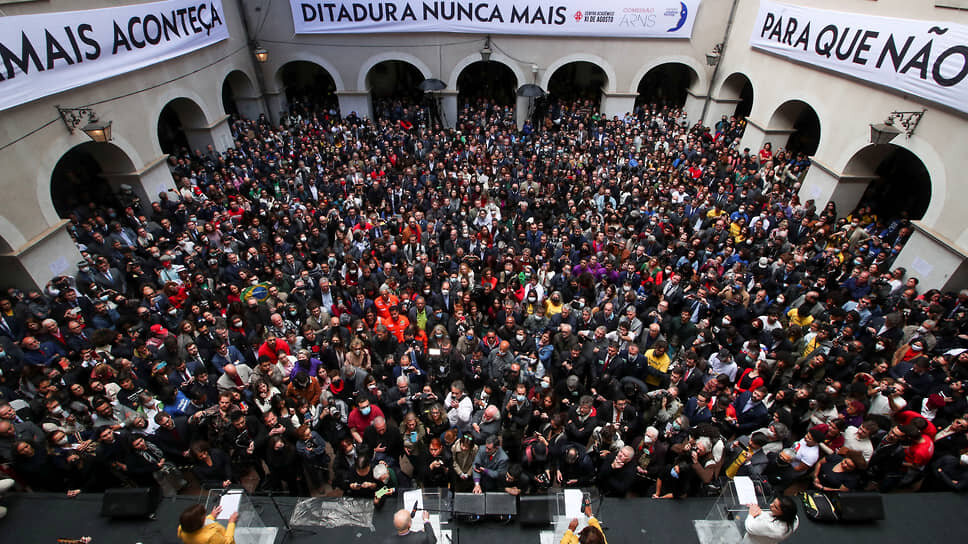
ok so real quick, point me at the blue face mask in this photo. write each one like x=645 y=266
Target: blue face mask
x=365 y=411
x=674 y=473
x=521 y=398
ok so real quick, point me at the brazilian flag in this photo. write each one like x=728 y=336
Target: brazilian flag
x=259 y=291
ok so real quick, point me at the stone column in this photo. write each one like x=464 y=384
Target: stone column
x=618 y=104
x=693 y=106
x=217 y=135
x=355 y=101
x=718 y=107
x=250 y=107
x=154 y=178
x=936 y=261
x=758 y=134
x=823 y=184
x=522 y=106
x=448 y=107
x=32 y=265
x=277 y=104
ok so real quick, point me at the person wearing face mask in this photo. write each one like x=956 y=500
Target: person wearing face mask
x=521 y=342
x=362 y=416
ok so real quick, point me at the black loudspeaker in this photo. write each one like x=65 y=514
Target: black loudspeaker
x=137 y=502
x=468 y=506
x=860 y=506
x=536 y=510
x=500 y=504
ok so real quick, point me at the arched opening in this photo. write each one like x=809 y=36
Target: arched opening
x=237 y=92
x=309 y=87
x=490 y=82
x=666 y=85
x=738 y=87
x=802 y=119
x=901 y=184
x=395 y=88
x=79 y=182
x=578 y=81
x=182 y=127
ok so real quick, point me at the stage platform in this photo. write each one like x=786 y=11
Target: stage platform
x=41 y=518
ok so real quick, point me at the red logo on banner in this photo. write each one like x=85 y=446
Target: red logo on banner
x=578 y=15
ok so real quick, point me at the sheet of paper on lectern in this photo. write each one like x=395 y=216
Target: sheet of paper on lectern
x=229 y=503
x=745 y=492
x=573 y=500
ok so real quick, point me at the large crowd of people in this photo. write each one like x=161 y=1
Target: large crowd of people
x=344 y=305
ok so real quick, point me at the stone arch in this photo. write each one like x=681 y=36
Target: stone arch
x=864 y=159
x=491 y=80
x=312 y=58
x=899 y=181
x=803 y=123
x=236 y=86
x=606 y=67
x=738 y=86
x=669 y=83
x=10 y=236
x=314 y=83
x=53 y=155
x=699 y=83
x=182 y=121
x=476 y=57
x=110 y=162
x=361 y=81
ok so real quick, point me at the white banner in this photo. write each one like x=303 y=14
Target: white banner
x=602 y=18
x=48 y=53
x=928 y=59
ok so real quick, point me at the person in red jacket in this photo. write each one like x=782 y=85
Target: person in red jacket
x=274 y=347
x=361 y=417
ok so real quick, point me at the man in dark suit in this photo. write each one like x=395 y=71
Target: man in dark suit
x=692 y=375
x=609 y=363
x=401 y=522
x=697 y=409
x=173 y=437
x=107 y=277
x=751 y=413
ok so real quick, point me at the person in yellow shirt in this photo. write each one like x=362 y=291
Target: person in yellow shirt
x=800 y=316
x=591 y=534
x=659 y=360
x=193 y=530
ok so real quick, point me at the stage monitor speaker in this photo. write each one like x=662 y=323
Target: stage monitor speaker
x=860 y=506
x=500 y=504
x=137 y=502
x=468 y=506
x=536 y=510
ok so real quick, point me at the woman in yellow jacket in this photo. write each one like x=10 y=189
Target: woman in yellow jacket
x=193 y=530
x=591 y=534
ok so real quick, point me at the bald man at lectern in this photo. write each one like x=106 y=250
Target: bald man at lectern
x=402 y=520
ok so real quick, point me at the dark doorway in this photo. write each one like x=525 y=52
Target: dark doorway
x=309 y=87
x=486 y=81
x=578 y=81
x=171 y=133
x=78 y=185
x=902 y=187
x=665 y=85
